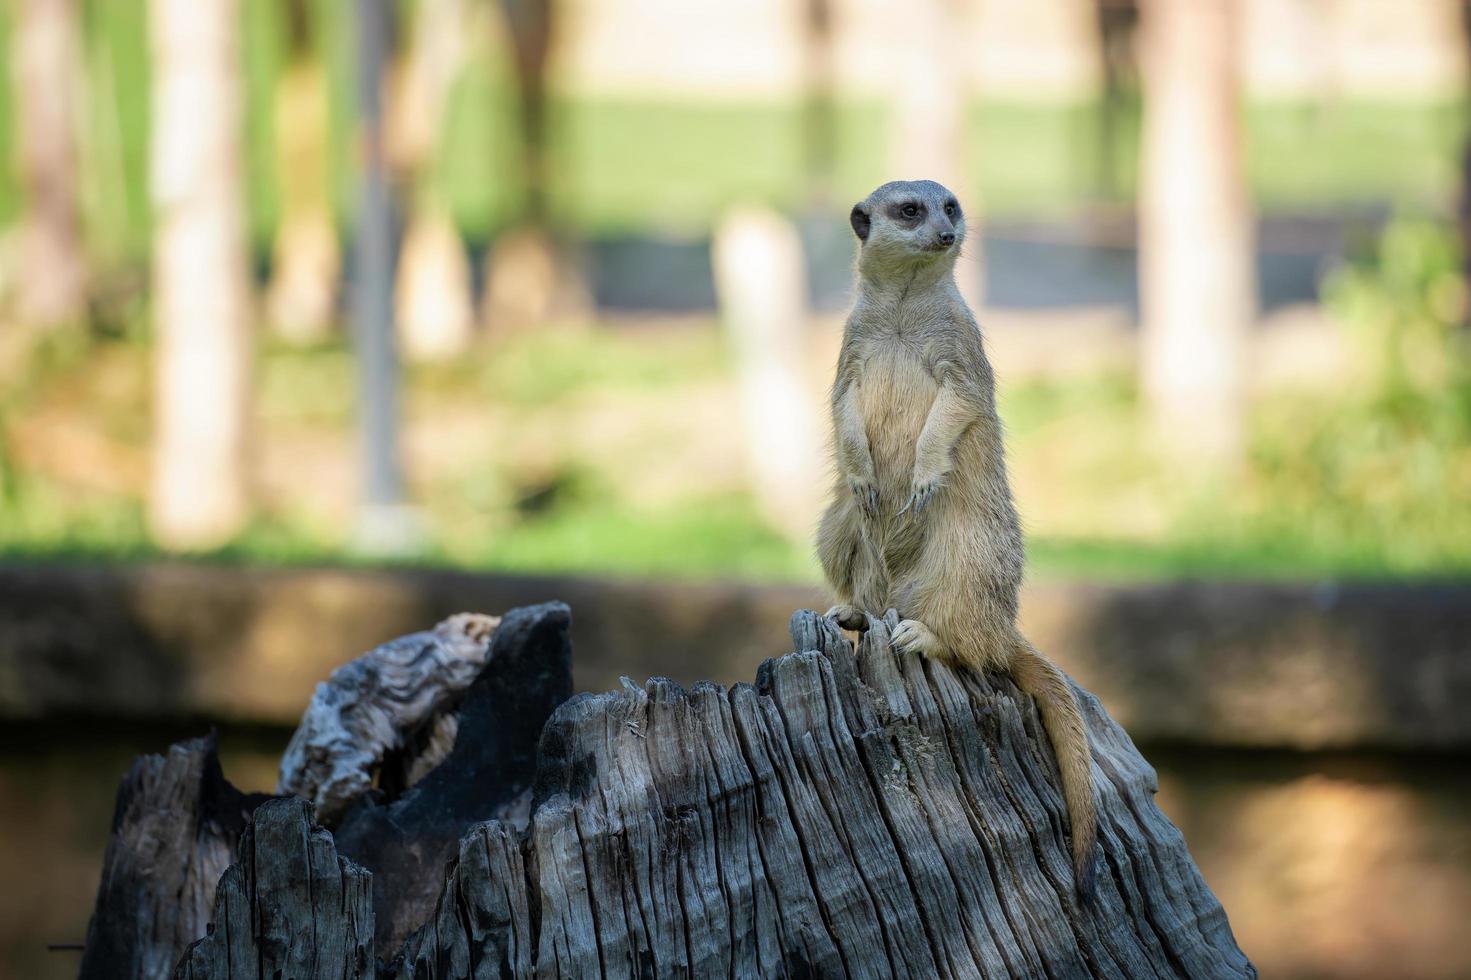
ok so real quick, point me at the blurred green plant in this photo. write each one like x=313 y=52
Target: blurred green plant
x=1369 y=478
x=1386 y=458
x=1406 y=304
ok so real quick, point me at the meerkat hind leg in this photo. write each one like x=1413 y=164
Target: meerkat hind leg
x=912 y=636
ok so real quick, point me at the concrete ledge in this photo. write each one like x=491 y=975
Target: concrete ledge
x=1231 y=664
x=1297 y=666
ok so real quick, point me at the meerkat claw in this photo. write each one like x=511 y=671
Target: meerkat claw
x=912 y=636
x=867 y=495
x=848 y=616
x=919 y=499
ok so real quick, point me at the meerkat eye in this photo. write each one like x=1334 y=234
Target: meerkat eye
x=950 y=209
x=910 y=211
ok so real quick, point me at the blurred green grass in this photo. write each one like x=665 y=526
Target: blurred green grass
x=623 y=165
x=539 y=454
x=512 y=500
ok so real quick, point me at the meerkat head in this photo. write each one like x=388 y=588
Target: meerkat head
x=906 y=223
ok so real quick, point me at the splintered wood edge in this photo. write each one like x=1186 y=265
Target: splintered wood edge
x=372 y=704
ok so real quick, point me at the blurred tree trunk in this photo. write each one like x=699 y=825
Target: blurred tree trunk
x=929 y=127
x=532 y=24
x=1463 y=209
x=527 y=280
x=435 y=316
x=828 y=244
x=200 y=276
x=1116 y=21
x=1196 y=277
x=51 y=287
x=819 y=109
x=307 y=262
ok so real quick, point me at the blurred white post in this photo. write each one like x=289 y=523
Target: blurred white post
x=200 y=296
x=762 y=284
x=435 y=315
x=436 y=319
x=1197 y=281
x=928 y=132
x=51 y=284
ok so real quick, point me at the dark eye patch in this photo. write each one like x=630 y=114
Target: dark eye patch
x=906 y=212
x=952 y=208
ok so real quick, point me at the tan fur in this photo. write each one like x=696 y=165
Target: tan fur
x=922 y=519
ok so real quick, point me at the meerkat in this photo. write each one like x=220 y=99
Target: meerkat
x=921 y=519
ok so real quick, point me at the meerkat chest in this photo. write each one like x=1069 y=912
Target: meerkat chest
x=896 y=391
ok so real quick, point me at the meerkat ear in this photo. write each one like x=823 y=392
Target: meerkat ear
x=860 y=221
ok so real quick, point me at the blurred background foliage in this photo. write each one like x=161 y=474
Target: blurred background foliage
x=599 y=442
x=626 y=164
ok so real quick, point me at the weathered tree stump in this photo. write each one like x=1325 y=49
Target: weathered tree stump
x=178 y=822
x=488 y=773
x=174 y=832
x=855 y=813
x=288 y=908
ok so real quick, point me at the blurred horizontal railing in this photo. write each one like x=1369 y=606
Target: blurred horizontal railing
x=1240 y=664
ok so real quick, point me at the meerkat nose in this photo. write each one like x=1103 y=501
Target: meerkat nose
x=947 y=238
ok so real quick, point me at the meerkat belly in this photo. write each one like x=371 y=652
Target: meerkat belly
x=897 y=393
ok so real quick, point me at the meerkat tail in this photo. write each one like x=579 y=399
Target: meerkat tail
x=1063 y=720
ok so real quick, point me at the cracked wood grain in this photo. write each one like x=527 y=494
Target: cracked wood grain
x=175 y=827
x=289 y=907
x=855 y=813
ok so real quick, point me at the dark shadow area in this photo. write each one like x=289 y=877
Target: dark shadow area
x=58 y=783
x=1352 y=865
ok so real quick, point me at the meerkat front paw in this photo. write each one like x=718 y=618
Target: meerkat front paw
x=912 y=636
x=867 y=495
x=848 y=616
x=921 y=492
